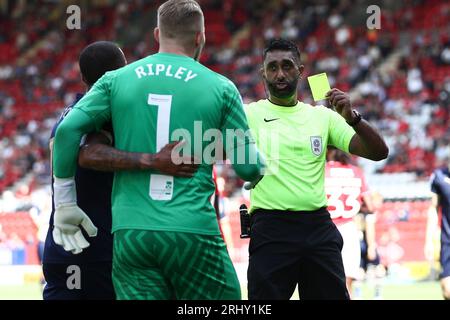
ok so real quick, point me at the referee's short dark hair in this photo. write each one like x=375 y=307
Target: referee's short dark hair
x=98 y=58
x=282 y=45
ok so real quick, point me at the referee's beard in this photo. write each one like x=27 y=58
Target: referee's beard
x=289 y=89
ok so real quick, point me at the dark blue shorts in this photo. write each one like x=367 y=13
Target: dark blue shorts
x=78 y=282
x=445 y=260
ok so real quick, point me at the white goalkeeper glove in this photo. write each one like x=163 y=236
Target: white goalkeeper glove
x=68 y=217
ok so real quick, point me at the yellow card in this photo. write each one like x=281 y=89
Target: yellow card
x=319 y=86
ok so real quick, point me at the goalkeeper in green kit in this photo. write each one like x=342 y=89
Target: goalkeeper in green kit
x=167 y=243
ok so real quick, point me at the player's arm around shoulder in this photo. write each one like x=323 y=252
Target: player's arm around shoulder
x=93 y=150
x=367 y=142
x=98 y=153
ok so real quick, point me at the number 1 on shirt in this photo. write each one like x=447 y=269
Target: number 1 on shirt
x=161 y=186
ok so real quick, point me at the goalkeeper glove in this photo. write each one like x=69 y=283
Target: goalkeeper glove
x=68 y=216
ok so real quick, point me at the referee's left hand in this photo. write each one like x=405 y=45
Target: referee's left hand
x=341 y=102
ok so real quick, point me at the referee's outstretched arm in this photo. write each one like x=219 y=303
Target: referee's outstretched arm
x=367 y=141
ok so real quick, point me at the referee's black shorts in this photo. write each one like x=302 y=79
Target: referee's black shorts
x=295 y=247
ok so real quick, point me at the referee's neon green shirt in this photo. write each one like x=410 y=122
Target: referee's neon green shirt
x=294 y=142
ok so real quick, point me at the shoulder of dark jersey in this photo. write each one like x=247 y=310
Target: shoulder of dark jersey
x=64 y=113
x=442 y=172
x=438 y=175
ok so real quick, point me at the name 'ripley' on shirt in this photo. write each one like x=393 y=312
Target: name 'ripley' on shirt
x=164 y=70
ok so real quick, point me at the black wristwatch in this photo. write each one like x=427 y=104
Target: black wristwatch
x=356 y=120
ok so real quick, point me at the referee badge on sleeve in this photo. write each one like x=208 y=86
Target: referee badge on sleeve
x=316 y=145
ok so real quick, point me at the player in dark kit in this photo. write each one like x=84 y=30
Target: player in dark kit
x=87 y=275
x=440 y=187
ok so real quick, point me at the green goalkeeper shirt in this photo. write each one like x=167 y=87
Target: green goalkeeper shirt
x=151 y=102
x=293 y=141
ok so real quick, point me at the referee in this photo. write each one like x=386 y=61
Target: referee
x=294 y=240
